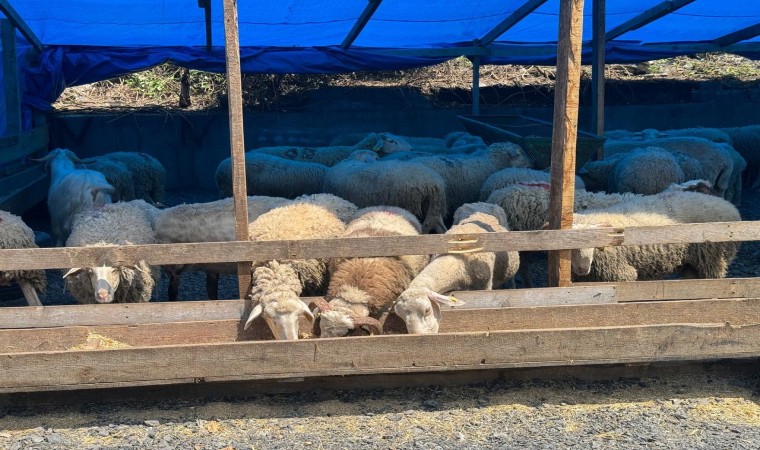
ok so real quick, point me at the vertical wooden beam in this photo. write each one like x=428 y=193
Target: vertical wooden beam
x=237 y=147
x=598 y=50
x=10 y=78
x=564 y=132
x=11 y=14
x=475 y=85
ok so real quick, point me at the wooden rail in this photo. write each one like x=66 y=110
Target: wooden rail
x=215 y=252
x=207 y=331
x=213 y=310
x=237 y=361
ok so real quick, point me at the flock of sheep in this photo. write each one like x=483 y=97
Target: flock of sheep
x=379 y=184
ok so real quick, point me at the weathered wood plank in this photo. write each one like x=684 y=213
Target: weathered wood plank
x=237 y=146
x=565 y=132
x=14 y=17
x=647 y=17
x=681 y=289
x=510 y=21
x=214 y=252
x=735 y=312
x=375 y=354
x=360 y=23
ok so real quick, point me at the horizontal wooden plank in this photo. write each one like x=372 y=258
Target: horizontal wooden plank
x=189 y=311
x=633 y=291
x=216 y=252
x=735 y=312
x=21 y=145
x=375 y=354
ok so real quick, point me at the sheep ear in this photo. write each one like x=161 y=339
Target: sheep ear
x=73 y=271
x=255 y=312
x=449 y=300
x=307 y=313
x=545 y=226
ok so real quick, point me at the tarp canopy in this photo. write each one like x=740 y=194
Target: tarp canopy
x=91 y=40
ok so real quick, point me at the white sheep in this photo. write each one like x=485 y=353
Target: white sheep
x=123 y=223
x=205 y=222
x=384 y=143
x=271 y=175
x=715 y=159
x=746 y=141
x=464 y=174
x=118 y=175
x=148 y=175
x=328 y=156
x=405 y=184
x=14 y=233
x=418 y=305
x=645 y=171
x=512 y=175
x=72 y=191
x=631 y=263
x=278 y=285
x=365 y=288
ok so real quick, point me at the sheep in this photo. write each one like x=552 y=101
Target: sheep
x=123 y=223
x=418 y=305
x=365 y=288
x=716 y=160
x=383 y=143
x=345 y=210
x=464 y=174
x=405 y=184
x=72 y=191
x=511 y=175
x=278 y=284
x=14 y=233
x=711 y=134
x=746 y=141
x=118 y=175
x=645 y=171
x=328 y=156
x=457 y=138
x=205 y=222
x=526 y=205
x=631 y=263
x=272 y=175
x=148 y=175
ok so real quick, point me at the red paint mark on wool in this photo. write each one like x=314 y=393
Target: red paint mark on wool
x=546 y=186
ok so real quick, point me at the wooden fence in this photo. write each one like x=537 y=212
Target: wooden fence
x=41 y=348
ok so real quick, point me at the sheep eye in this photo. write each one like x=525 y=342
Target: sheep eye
x=428 y=311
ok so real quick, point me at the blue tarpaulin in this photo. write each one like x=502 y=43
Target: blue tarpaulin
x=91 y=40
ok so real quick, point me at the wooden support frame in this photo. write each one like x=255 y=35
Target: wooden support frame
x=220 y=252
x=738 y=36
x=18 y=22
x=598 y=53
x=237 y=146
x=511 y=20
x=206 y=5
x=564 y=132
x=647 y=17
x=475 y=85
x=361 y=22
x=10 y=79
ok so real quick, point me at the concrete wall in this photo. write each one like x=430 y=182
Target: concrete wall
x=191 y=144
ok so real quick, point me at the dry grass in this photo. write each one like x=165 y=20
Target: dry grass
x=95 y=341
x=159 y=87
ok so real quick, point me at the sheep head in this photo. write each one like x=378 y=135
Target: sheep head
x=62 y=158
x=420 y=309
x=276 y=290
x=366 y=156
x=105 y=280
x=581 y=259
x=345 y=313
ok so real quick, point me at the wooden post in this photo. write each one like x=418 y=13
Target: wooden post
x=10 y=79
x=597 y=71
x=475 y=85
x=237 y=147
x=564 y=132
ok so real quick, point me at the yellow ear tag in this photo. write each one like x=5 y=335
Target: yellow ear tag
x=453 y=299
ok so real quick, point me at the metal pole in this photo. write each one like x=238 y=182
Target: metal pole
x=597 y=71
x=475 y=85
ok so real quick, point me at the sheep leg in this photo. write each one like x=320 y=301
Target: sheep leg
x=212 y=285
x=173 y=285
x=29 y=293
